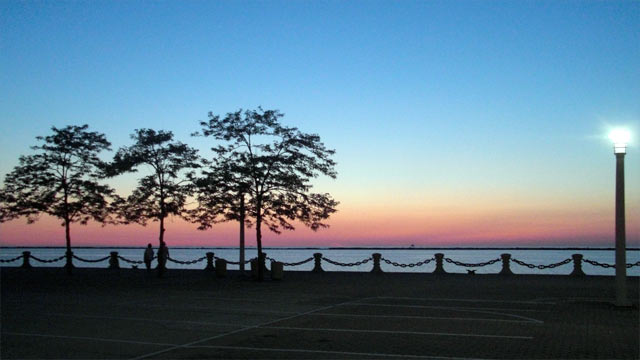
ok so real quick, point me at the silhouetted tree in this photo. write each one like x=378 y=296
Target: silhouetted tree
x=60 y=180
x=276 y=163
x=163 y=192
x=220 y=192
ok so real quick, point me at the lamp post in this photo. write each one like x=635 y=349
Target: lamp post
x=620 y=139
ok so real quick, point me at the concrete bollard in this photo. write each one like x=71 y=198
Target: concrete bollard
x=317 y=257
x=26 y=256
x=209 y=266
x=439 y=268
x=277 y=270
x=376 y=263
x=221 y=268
x=254 y=266
x=506 y=262
x=577 y=265
x=114 y=263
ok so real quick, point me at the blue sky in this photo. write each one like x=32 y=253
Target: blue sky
x=444 y=102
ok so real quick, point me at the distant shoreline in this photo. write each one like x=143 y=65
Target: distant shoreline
x=546 y=248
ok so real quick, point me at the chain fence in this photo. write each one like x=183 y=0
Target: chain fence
x=185 y=262
x=397 y=264
x=298 y=263
x=132 y=261
x=11 y=260
x=463 y=264
x=606 y=266
x=541 y=267
x=90 y=261
x=48 y=261
x=233 y=262
x=292 y=263
x=337 y=263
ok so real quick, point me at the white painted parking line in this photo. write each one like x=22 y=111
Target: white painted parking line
x=241 y=330
x=86 y=338
x=220 y=309
x=532 y=302
x=449 y=307
x=399 y=332
x=466 y=309
x=370 y=355
x=428 y=318
x=86 y=316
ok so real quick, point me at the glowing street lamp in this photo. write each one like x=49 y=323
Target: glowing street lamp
x=620 y=140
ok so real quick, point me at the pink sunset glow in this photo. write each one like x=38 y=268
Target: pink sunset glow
x=351 y=228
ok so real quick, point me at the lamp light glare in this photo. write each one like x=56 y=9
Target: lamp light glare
x=620 y=138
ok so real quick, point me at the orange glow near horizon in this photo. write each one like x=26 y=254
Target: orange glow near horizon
x=382 y=225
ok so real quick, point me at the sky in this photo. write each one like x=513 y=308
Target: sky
x=455 y=123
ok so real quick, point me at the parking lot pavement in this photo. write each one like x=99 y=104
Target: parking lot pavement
x=190 y=314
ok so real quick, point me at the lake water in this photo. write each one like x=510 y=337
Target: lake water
x=405 y=256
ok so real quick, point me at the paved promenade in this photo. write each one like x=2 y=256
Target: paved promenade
x=129 y=314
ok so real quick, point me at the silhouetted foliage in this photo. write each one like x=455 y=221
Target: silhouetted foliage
x=163 y=192
x=220 y=193
x=60 y=180
x=273 y=165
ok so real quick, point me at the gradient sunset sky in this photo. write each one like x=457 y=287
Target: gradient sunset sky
x=472 y=123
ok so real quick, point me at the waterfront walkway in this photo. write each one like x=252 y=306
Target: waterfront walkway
x=129 y=314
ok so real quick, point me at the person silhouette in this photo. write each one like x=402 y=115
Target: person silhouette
x=148 y=256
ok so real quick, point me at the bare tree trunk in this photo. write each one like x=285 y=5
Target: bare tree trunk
x=161 y=238
x=67 y=230
x=259 y=241
x=242 y=233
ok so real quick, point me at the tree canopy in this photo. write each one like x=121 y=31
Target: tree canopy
x=61 y=179
x=164 y=191
x=274 y=164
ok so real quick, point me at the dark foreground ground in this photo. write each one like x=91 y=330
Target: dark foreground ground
x=98 y=313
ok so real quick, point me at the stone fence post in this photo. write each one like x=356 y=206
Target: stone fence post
x=439 y=268
x=114 y=263
x=506 y=261
x=221 y=267
x=209 y=266
x=26 y=255
x=376 y=263
x=318 y=262
x=259 y=261
x=577 y=265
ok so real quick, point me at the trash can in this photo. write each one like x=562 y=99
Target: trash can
x=277 y=269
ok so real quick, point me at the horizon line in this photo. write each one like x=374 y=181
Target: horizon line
x=340 y=247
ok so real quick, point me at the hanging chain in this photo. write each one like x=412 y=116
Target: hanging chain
x=541 y=267
x=48 y=261
x=132 y=261
x=90 y=261
x=11 y=260
x=420 y=263
x=186 y=262
x=459 y=263
x=357 y=263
